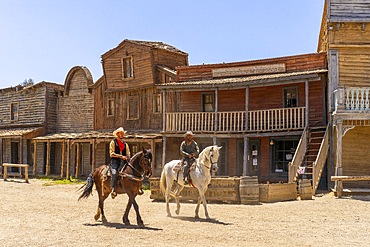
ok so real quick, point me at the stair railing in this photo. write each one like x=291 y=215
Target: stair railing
x=318 y=165
x=298 y=156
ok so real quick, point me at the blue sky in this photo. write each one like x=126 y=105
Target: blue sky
x=44 y=39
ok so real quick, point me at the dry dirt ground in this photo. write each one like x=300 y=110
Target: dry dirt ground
x=35 y=214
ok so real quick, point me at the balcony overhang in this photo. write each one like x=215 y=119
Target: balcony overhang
x=242 y=82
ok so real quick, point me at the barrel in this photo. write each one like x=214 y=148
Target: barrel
x=305 y=189
x=249 y=190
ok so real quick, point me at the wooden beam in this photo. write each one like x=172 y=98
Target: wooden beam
x=350 y=178
x=47 y=172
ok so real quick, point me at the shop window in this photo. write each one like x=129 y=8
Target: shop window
x=282 y=153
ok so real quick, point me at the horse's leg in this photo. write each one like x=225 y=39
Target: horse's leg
x=132 y=202
x=125 y=219
x=202 y=198
x=168 y=196
x=102 y=197
x=179 y=189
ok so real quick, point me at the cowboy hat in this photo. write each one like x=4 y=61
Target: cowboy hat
x=120 y=129
x=188 y=133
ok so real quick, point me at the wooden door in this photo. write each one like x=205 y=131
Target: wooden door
x=254 y=158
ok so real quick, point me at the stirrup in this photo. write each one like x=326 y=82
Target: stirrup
x=113 y=194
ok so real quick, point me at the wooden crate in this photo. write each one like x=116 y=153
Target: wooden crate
x=277 y=192
x=219 y=190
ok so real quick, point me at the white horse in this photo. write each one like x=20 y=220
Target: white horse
x=200 y=178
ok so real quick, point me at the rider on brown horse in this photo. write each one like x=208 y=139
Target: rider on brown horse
x=189 y=150
x=120 y=154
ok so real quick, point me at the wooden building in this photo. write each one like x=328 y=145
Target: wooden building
x=264 y=113
x=25 y=113
x=127 y=94
x=345 y=36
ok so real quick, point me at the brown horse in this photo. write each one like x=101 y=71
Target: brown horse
x=130 y=182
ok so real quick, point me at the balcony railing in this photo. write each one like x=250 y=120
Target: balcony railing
x=352 y=98
x=262 y=120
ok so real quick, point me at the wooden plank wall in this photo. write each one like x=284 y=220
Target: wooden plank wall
x=76 y=107
x=349 y=10
x=31 y=106
x=292 y=63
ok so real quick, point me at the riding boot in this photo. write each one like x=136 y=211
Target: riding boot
x=186 y=174
x=113 y=184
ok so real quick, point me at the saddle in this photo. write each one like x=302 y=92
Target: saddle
x=180 y=167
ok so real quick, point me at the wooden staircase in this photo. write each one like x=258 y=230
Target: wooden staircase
x=310 y=157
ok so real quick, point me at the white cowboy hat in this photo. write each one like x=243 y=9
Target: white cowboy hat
x=120 y=129
x=188 y=133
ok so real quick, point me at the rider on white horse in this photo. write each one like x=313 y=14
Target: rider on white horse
x=189 y=150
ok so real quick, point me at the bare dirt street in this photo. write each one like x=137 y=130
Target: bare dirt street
x=37 y=215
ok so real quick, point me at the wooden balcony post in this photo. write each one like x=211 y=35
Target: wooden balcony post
x=34 y=158
x=338 y=167
x=47 y=172
x=164 y=110
x=245 y=156
x=246 y=108
x=339 y=99
x=307 y=101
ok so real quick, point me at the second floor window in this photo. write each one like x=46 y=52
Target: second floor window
x=290 y=97
x=110 y=111
x=14 y=111
x=127 y=67
x=208 y=102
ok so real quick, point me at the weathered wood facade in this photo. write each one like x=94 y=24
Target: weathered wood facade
x=257 y=110
x=127 y=94
x=26 y=112
x=345 y=35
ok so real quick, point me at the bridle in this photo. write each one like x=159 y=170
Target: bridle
x=144 y=160
x=213 y=163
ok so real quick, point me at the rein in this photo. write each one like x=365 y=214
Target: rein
x=131 y=176
x=212 y=162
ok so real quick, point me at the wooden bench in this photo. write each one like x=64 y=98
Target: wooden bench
x=339 y=188
x=20 y=166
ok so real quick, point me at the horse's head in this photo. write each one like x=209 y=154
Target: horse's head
x=213 y=156
x=146 y=162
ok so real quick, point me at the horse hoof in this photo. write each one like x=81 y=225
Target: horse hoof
x=96 y=217
x=104 y=220
x=127 y=223
x=177 y=212
x=197 y=216
x=141 y=224
x=169 y=215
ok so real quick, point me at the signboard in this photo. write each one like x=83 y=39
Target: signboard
x=249 y=70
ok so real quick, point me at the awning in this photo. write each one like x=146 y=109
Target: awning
x=21 y=132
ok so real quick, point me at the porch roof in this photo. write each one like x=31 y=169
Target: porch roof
x=235 y=82
x=101 y=135
x=18 y=132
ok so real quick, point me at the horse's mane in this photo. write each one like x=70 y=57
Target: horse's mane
x=133 y=158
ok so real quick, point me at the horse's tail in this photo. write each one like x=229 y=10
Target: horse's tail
x=88 y=186
x=162 y=182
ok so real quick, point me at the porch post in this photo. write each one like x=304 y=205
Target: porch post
x=78 y=161
x=93 y=154
x=21 y=149
x=245 y=156
x=307 y=103
x=164 y=151
x=68 y=159
x=164 y=110
x=63 y=159
x=338 y=168
x=47 y=171
x=34 y=158
x=216 y=112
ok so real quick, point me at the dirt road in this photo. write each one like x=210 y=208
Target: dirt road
x=37 y=215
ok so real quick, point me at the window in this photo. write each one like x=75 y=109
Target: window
x=133 y=107
x=282 y=153
x=165 y=78
x=157 y=103
x=14 y=111
x=110 y=110
x=127 y=67
x=290 y=97
x=208 y=102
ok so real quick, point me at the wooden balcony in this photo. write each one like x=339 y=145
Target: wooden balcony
x=352 y=99
x=279 y=119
